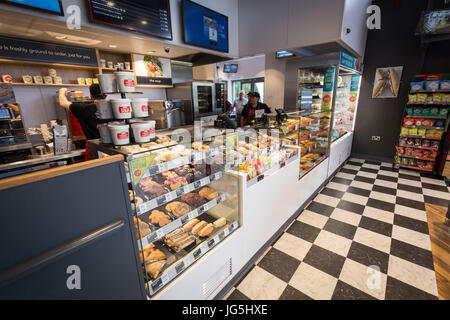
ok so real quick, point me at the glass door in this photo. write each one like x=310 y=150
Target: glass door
x=249 y=85
x=205 y=99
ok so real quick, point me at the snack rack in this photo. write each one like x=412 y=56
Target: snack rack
x=424 y=123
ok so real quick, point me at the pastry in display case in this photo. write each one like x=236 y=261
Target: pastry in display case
x=185 y=202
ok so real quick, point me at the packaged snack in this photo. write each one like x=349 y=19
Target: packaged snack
x=27 y=79
x=435 y=144
x=412 y=98
x=428 y=122
x=405 y=161
x=409 y=111
x=417 y=143
x=412 y=162
x=432 y=85
x=409 y=152
x=416 y=86
x=436 y=97
x=433 y=154
x=439 y=123
x=445 y=98
x=402 y=142
x=434 y=111
x=417 y=111
x=407 y=122
x=418 y=122
x=429 y=98
x=444 y=84
x=426 y=154
x=421 y=97
x=413 y=132
x=397 y=159
x=400 y=150
x=426 y=143
x=38 y=79
x=443 y=112
x=421 y=164
x=7 y=78
x=404 y=131
x=421 y=132
x=426 y=111
x=410 y=142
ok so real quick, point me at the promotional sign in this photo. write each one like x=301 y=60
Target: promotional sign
x=152 y=71
x=387 y=82
x=354 y=85
x=7 y=93
x=139 y=166
x=347 y=60
x=328 y=87
x=36 y=51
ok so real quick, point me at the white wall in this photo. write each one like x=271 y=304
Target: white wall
x=274 y=81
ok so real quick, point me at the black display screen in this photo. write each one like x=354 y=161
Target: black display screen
x=151 y=17
x=230 y=68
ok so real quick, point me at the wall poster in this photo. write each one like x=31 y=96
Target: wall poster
x=387 y=82
x=152 y=71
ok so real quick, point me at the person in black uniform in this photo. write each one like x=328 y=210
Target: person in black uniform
x=84 y=112
x=248 y=113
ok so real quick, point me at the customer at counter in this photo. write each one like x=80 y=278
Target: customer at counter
x=249 y=111
x=238 y=105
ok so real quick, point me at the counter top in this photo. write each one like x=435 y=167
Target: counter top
x=15 y=146
x=41 y=159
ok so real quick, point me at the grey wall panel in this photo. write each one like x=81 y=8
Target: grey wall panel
x=43 y=215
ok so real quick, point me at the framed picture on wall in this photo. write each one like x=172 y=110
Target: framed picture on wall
x=152 y=71
x=387 y=82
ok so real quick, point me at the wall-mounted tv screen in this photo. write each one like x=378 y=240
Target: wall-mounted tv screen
x=204 y=27
x=284 y=54
x=150 y=17
x=50 y=6
x=230 y=68
x=434 y=22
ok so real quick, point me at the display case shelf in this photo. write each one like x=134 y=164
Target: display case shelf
x=166 y=198
x=421 y=137
x=421 y=147
x=427 y=117
x=417 y=158
x=411 y=167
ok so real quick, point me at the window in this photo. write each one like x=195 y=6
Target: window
x=247 y=85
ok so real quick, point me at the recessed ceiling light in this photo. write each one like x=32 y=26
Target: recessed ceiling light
x=110 y=3
x=144 y=22
x=61 y=37
x=151 y=51
x=113 y=46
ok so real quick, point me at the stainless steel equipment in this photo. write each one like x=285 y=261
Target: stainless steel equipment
x=168 y=114
x=199 y=98
x=174 y=114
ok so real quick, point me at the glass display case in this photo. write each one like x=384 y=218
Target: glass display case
x=345 y=104
x=185 y=201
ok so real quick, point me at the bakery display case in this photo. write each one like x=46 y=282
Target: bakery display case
x=347 y=91
x=185 y=202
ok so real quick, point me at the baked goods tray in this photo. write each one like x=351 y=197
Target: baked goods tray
x=161 y=232
x=243 y=159
x=158 y=168
x=189 y=255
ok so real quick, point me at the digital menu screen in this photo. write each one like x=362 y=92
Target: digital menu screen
x=230 y=68
x=52 y=6
x=151 y=17
x=204 y=27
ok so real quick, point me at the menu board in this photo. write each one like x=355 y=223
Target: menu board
x=150 y=17
x=7 y=93
x=152 y=71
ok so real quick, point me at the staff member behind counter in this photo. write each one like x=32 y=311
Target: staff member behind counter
x=248 y=113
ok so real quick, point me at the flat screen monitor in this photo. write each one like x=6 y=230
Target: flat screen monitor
x=49 y=6
x=204 y=27
x=150 y=17
x=284 y=54
x=230 y=68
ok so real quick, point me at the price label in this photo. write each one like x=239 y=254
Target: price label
x=159 y=233
x=153 y=170
x=197 y=253
x=259 y=178
x=197 y=184
x=205 y=181
x=189 y=260
x=282 y=164
x=192 y=214
x=197 y=156
x=202 y=209
x=189 y=187
x=161 y=200
x=185 y=219
x=230 y=228
x=179 y=267
x=156 y=285
x=180 y=191
x=170 y=196
x=165 y=279
x=221 y=235
x=211 y=243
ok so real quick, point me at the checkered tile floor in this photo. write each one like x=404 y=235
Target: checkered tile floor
x=365 y=236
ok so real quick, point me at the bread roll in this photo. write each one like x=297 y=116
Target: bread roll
x=206 y=231
x=199 y=226
x=220 y=222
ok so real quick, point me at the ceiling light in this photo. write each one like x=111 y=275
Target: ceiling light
x=113 y=46
x=61 y=37
x=111 y=4
x=144 y=22
x=151 y=51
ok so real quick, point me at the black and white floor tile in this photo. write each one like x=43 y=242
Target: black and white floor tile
x=365 y=236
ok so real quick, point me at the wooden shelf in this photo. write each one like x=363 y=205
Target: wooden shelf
x=114 y=69
x=54 y=65
x=49 y=85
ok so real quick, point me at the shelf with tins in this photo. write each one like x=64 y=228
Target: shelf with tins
x=49 y=85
